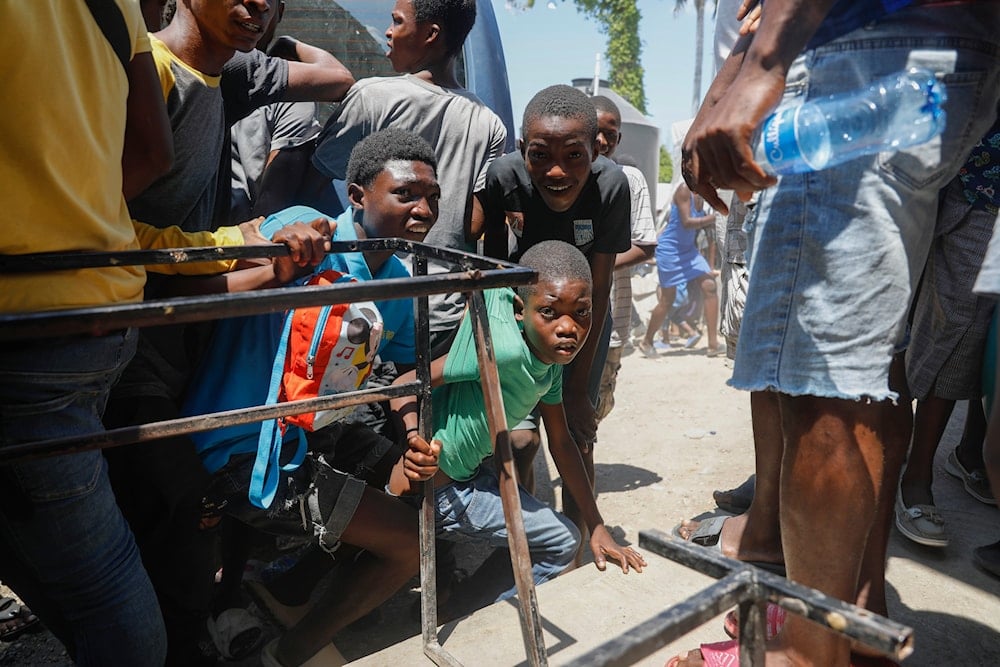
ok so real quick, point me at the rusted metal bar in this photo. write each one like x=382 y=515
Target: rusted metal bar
x=63 y=261
x=185 y=425
x=428 y=564
x=476 y=272
x=753 y=632
x=750 y=589
x=669 y=625
x=439 y=656
x=531 y=625
x=103 y=319
x=882 y=634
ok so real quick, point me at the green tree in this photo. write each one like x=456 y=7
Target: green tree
x=666 y=165
x=699 y=44
x=619 y=20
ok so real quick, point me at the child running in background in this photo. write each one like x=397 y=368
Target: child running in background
x=535 y=332
x=678 y=261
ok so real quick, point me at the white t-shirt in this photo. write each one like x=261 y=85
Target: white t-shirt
x=643 y=233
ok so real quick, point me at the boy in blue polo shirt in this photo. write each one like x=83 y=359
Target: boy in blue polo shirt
x=393 y=192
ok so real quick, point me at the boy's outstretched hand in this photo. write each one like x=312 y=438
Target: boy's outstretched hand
x=604 y=546
x=420 y=461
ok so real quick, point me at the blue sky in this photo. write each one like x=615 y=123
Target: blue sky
x=546 y=46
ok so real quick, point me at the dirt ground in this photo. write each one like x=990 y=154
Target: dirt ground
x=676 y=433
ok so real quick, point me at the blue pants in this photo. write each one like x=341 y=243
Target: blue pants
x=473 y=512
x=66 y=549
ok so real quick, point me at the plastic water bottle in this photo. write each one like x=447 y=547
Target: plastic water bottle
x=891 y=114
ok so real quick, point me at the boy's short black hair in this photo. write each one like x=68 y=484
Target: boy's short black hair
x=371 y=154
x=455 y=16
x=605 y=105
x=561 y=101
x=554 y=260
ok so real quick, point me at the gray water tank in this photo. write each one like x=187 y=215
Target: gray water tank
x=640 y=137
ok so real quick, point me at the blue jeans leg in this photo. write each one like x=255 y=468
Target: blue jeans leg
x=472 y=511
x=65 y=542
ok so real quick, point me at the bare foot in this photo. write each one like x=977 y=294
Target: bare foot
x=736 y=541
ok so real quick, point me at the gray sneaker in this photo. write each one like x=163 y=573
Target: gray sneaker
x=975 y=481
x=921 y=523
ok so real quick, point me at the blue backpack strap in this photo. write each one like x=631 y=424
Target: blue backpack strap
x=264 y=479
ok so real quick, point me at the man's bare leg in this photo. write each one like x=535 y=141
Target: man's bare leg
x=931 y=419
x=896 y=438
x=387 y=530
x=831 y=481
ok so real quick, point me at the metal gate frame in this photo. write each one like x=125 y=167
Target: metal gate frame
x=739 y=584
x=474 y=273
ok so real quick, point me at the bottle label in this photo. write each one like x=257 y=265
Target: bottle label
x=780 y=145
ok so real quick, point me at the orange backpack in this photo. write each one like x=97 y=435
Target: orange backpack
x=324 y=350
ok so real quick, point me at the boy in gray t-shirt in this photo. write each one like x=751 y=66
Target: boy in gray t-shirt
x=424 y=40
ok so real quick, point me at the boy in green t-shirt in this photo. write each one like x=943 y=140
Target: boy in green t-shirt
x=535 y=332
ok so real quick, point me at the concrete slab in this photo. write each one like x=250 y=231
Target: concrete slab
x=676 y=433
x=580 y=610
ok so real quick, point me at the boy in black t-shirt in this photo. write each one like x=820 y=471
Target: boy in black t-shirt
x=559 y=188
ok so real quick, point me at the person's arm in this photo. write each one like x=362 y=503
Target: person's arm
x=149 y=141
x=314 y=74
x=717 y=152
x=474 y=220
x=155 y=238
x=491 y=221
x=294 y=129
x=683 y=200
x=419 y=462
x=566 y=456
x=578 y=406
x=307 y=243
x=637 y=254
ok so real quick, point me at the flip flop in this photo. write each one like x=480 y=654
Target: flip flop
x=707 y=535
x=727 y=654
x=12 y=611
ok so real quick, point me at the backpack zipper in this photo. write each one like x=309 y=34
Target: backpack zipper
x=324 y=315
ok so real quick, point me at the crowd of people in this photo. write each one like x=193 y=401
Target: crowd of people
x=198 y=128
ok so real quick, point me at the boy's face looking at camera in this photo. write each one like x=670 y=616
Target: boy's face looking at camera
x=556 y=318
x=402 y=201
x=558 y=153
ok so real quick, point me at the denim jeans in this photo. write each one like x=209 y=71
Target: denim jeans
x=473 y=512
x=836 y=254
x=66 y=548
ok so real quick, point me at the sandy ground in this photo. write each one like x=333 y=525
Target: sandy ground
x=677 y=433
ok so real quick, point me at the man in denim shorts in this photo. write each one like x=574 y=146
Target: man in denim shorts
x=834 y=257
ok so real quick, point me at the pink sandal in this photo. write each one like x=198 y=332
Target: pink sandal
x=727 y=654
x=775 y=620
